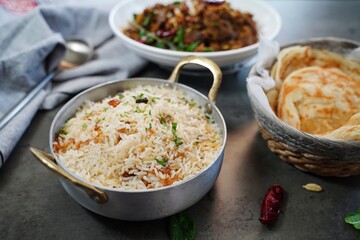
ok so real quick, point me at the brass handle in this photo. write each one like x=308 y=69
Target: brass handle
x=213 y=67
x=49 y=161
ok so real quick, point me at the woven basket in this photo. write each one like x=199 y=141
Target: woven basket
x=317 y=164
x=304 y=151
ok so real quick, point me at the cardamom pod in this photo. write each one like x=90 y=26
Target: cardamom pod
x=313 y=187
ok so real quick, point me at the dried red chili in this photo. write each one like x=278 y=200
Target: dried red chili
x=271 y=204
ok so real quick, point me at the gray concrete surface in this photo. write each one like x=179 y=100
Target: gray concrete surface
x=33 y=205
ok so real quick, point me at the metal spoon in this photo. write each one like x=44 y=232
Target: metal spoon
x=77 y=52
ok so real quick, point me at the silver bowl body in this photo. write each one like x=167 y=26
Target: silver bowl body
x=149 y=204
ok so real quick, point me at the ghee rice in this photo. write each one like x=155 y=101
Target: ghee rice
x=144 y=138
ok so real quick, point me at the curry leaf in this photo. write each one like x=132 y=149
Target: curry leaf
x=180 y=34
x=182 y=227
x=147 y=19
x=146 y=34
x=191 y=47
x=354 y=219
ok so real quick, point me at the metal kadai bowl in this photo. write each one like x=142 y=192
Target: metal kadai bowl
x=304 y=151
x=147 y=204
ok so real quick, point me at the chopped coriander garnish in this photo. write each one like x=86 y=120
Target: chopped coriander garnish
x=100 y=119
x=173 y=128
x=185 y=100
x=147 y=34
x=192 y=46
x=179 y=37
x=153 y=99
x=138 y=110
x=160 y=45
x=162 y=161
x=105 y=109
x=164 y=119
x=62 y=132
x=140 y=96
x=147 y=19
x=149 y=40
x=178 y=141
x=192 y=104
x=207 y=116
x=120 y=96
x=84 y=126
x=150 y=112
x=143 y=33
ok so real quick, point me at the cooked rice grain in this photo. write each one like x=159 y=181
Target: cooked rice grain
x=122 y=144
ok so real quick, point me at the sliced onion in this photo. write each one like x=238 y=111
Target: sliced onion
x=214 y=2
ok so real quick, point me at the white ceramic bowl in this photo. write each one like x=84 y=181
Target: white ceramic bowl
x=267 y=18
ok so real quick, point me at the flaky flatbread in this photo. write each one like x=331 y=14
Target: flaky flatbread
x=297 y=57
x=318 y=100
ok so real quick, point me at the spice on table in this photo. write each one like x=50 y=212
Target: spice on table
x=271 y=204
x=142 y=100
x=313 y=187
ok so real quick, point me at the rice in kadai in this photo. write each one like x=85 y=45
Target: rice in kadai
x=144 y=138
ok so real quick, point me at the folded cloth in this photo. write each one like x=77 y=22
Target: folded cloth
x=31 y=47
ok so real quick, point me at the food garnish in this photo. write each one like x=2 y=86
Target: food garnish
x=271 y=204
x=162 y=161
x=178 y=141
x=114 y=102
x=182 y=227
x=354 y=219
x=142 y=100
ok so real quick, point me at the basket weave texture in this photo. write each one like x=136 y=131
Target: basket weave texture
x=319 y=165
